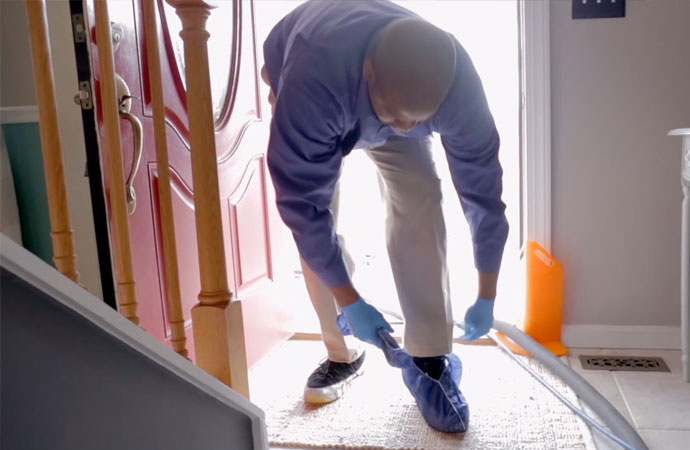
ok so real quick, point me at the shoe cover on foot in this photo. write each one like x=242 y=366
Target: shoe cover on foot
x=440 y=401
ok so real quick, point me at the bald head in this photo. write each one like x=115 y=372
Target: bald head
x=410 y=69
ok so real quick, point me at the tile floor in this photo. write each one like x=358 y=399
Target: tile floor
x=657 y=404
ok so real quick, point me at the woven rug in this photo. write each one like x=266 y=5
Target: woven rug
x=509 y=409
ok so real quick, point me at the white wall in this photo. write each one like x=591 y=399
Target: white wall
x=17 y=89
x=618 y=86
x=15 y=62
x=9 y=214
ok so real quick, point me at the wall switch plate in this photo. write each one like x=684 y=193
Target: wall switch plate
x=596 y=9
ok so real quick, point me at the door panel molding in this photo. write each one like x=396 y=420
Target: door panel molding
x=236 y=56
x=185 y=240
x=242 y=107
x=248 y=222
x=175 y=105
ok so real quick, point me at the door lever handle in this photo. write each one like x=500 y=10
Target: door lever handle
x=124 y=106
x=136 y=160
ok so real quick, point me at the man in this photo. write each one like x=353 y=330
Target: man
x=372 y=75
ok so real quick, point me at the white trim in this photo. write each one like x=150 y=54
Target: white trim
x=18 y=114
x=43 y=277
x=685 y=249
x=536 y=120
x=617 y=336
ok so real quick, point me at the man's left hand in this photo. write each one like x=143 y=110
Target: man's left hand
x=479 y=319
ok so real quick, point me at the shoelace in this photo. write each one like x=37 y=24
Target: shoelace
x=325 y=369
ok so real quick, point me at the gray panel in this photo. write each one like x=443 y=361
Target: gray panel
x=68 y=385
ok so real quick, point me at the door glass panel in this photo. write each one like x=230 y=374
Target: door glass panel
x=219 y=25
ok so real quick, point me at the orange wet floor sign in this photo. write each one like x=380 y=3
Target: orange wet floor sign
x=544 y=306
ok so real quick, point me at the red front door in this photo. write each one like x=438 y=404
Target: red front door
x=258 y=247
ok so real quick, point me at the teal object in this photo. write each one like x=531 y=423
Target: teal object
x=23 y=141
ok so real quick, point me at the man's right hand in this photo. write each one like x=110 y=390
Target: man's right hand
x=365 y=321
x=271 y=94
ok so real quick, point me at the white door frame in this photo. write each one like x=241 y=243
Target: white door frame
x=535 y=121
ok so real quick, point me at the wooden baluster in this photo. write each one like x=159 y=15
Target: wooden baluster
x=217 y=322
x=118 y=207
x=172 y=278
x=61 y=229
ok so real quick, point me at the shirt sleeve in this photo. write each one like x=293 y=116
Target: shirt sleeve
x=274 y=48
x=304 y=161
x=471 y=143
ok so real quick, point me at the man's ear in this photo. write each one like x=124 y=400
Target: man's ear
x=368 y=71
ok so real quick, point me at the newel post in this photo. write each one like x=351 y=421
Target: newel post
x=217 y=322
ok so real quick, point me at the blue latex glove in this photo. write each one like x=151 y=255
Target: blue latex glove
x=479 y=319
x=365 y=321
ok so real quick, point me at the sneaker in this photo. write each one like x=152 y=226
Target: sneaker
x=331 y=379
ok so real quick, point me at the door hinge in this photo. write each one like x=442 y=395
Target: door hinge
x=83 y=97
x=78 y=28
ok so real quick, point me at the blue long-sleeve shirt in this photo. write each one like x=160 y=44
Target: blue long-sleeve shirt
x=313 y=59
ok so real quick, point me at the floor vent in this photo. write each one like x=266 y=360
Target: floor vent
x=626 y=363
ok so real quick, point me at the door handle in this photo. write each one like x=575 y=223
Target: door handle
x=124 y=102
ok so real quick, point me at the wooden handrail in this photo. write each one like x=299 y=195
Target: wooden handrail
x=217 y=322
x=64 y=255
x=172 y=277
x=124 y=273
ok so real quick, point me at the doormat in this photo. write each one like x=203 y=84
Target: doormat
x=509 y=409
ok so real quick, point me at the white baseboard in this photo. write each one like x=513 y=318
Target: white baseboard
x=616 y=336
x=19 y=114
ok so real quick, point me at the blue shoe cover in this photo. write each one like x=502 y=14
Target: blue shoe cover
x=440 y=401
